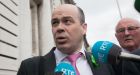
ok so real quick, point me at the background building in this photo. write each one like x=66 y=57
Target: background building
x=25 y=31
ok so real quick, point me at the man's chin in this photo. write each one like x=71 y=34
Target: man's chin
x=129 y=44
x=64 y=50
x=62 y=47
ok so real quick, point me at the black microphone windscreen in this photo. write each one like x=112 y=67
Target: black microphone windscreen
x=113 y=54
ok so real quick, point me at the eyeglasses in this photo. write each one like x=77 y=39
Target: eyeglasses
x=130 y=28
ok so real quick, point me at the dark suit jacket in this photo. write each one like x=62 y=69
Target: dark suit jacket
x=126 y=67
x=45 y=65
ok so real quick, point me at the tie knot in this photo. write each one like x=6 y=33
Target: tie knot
x=74 y=57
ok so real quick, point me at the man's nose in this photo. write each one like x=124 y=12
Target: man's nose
x=126 y=31
x=60 y=27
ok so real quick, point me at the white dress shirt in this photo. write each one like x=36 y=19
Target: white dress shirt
x=81 y=63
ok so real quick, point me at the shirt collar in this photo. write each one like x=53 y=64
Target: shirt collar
x=60 y=56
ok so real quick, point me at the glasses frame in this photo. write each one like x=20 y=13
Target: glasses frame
x=129 y=29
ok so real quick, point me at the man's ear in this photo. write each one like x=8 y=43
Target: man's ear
x=84 y=25
x=116 y=35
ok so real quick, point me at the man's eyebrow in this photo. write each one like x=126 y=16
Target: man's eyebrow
x=67 y=17
x=54 y=19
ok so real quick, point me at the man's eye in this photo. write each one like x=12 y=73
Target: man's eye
x=54 y=23
x=120 y=30
x=132 y=28
x=67 y=22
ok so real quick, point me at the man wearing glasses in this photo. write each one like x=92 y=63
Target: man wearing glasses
x=128 y=36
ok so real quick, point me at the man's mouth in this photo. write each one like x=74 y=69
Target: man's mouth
x=129 y=38
x=61 y=40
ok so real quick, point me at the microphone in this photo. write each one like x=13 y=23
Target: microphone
x=137 y=5
x=65 y=69
x=107 y=52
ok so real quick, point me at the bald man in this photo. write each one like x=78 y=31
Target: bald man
x=128 y=36
x=69 y=29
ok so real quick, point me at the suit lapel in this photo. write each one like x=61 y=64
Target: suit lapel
x=48 y=63
x=88 y=57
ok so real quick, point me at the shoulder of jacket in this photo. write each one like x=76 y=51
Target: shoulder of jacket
x=32 y=60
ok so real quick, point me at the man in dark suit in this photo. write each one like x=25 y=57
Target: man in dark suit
x=128 y=35
x=69 y=30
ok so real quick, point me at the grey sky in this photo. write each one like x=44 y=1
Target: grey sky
x=102 y=17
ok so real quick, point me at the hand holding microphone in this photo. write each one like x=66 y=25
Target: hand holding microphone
x=105 y=51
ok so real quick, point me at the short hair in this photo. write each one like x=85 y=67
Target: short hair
x=82 y=20
x=81 y=15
